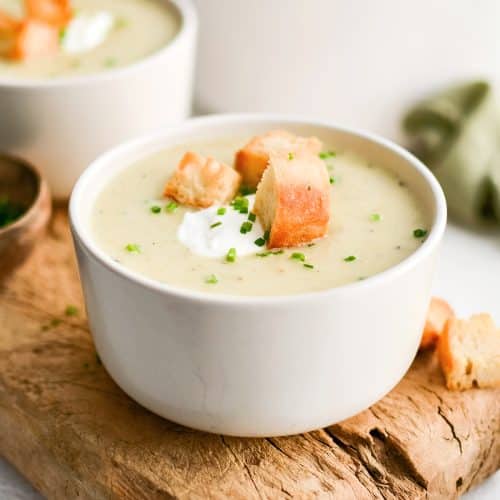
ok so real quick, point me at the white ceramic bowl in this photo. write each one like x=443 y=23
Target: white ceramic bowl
x=358 y=62
x=62 y=124
x=256 y=366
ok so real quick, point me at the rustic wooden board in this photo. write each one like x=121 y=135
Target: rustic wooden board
x=75 y=434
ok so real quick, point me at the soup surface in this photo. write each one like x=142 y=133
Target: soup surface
x=376 y=222
x=138 y=29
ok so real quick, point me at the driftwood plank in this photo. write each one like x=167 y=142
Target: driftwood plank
x=74 y=434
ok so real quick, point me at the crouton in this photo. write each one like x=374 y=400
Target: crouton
x=9 y=28
x=54 y=12
x=252 y=160
x=469 y=353
x=201 y=182
x=293 y=199
x=437 y=316
x=35 y=39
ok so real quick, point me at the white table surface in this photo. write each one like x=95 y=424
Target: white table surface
x=468 y=277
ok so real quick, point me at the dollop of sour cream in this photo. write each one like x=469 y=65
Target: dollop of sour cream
x=200 y=232
x=86 y=31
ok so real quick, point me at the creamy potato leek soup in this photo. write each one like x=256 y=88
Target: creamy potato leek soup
x=375 y=222
x=93 y=36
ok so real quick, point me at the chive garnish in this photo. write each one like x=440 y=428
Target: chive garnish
x=311 y=244
x=62 y=34
x=231 y=255
x=260 y=242
x=246 y=227
x=351 y=258
x=221 y=211
x=291 y=156
x=252 y=217
x=309 y=266
x=9 y=211
x=266 y=235
x=244 y=190
x=215 y=224
x=133 y=248
x=240 y=204
x=71 y=310
x=211 y=280
x=420 y=233
x=110 y=62
x=121 y=23
x=155 y=209
x=263 y=254
x=269 y=252
x=375 y=217
x=324 y=155
x=332 y=180
x=171 y=207
x=298 y=256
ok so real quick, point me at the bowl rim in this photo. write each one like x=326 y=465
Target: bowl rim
x=188 y=27
x=83 y=238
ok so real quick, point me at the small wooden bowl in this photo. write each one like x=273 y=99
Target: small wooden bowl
x=22 y=184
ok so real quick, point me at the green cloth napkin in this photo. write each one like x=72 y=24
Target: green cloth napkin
x=456 y=133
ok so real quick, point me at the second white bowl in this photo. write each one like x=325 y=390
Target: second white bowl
x=61 y=125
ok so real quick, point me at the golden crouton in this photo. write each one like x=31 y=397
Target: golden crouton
x=437 y=316
x=9 y=28
x=201 y=182
x=54 y=12
x=34 y=39
x=293 y=199
x=252 y=160
x=469 y=353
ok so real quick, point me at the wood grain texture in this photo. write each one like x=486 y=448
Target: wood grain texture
x=74 y=434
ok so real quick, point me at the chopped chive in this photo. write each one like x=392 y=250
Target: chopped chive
x=231 y=255
x=211 y=280
x=244 y=190
x=375 y=217
x=155 y=209
x=332 y=180
x=121 y=23
x=324 y=155
x=71 y=310
x=311 y=244
x=62 y=34
x=110 y=62
x=266 y=235
x=252 y=217
x=260 y=242
x=420 y=233
x=55 y=322
x=221 y=211
x=309 y=266
x=361 y=278
x=298 y=256
x=171 y=207
x=270 y=252
x=215 y=224
x=240 y=204
x=351 y=258
x=291 y=156
x=133 y=248
x=246 y=227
